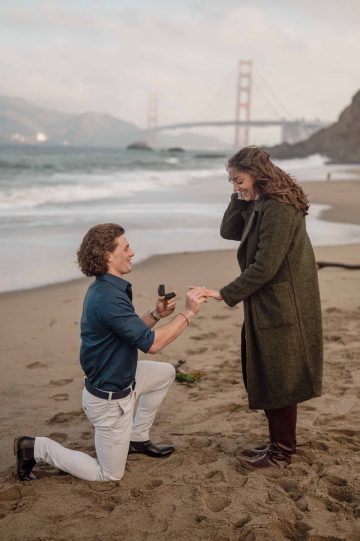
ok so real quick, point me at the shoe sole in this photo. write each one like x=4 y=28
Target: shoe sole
x=16 y=445
x=148 y=454
x=16 y=451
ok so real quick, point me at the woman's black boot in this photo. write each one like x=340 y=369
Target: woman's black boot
x=282 y=428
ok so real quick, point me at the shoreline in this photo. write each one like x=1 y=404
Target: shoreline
x=85 y=280
x=341 y=196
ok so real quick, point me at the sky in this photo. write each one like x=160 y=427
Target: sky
x=111 y=55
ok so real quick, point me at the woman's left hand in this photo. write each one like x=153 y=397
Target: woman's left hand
x=165 y=307
x=210 y=293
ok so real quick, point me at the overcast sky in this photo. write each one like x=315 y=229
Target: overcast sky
x=108 y=56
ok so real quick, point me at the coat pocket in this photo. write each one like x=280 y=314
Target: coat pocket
x=273 y=306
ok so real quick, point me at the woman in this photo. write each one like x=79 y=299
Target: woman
x=281 y=338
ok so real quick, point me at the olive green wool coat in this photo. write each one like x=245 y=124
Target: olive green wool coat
x=281 y=339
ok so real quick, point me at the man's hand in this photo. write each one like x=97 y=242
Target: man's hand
x=194 y=298
x=209 y=293
x=165 y=307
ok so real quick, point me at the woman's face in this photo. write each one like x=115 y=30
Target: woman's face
x=243 y=184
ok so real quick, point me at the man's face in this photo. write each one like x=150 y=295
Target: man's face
x=119 y=261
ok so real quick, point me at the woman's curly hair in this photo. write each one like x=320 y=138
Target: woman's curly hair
x=270 y=180
x=92 y=254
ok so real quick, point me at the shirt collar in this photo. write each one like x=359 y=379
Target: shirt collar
x=118 y=282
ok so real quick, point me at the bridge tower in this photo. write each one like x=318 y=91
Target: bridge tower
x=243 y=103
x=152 y=119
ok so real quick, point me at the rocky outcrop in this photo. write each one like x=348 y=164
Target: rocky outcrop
x=139 y=145
x=340 y=142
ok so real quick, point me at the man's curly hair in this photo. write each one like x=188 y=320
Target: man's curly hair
x=92 y=254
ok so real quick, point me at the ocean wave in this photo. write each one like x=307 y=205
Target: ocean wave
x=70 y=188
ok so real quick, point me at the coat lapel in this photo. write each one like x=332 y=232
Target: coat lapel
x=258 y=205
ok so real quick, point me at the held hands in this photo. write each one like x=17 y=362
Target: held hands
x=194 y=298
x=209 y=293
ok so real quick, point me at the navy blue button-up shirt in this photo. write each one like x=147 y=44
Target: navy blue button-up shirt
x=111 y=333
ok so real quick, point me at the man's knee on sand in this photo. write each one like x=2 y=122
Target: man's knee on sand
x=111 y=476
x=171 y=371
x=167 y=372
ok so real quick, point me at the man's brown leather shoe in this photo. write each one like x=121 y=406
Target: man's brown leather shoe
x=24 y=451
x=151 y=449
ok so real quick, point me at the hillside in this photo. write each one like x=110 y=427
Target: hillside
x=23 y=123
x=340 y=142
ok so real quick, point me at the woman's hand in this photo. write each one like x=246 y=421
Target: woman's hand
x=165 y=307
x=210 y=293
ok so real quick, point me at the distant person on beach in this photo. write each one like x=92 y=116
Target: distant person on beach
x=281 y=338
x=116 y=384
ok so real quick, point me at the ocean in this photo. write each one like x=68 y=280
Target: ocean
x=167 y=202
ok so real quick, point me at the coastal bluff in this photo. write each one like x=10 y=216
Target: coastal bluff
x=340 y=142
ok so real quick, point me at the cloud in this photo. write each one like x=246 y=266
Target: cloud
x=108 y=56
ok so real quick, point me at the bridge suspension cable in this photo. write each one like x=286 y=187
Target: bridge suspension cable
x=273 y=95
x=259 y=90
x=224 y=89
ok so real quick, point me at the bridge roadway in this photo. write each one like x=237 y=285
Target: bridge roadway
x=311 y=125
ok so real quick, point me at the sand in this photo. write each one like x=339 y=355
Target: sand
x=203 y=491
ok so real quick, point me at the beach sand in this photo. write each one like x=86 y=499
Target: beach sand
x=203 y=491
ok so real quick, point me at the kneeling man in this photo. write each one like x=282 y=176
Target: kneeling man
x=116 y=384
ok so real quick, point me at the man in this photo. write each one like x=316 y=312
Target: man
x=116 y=384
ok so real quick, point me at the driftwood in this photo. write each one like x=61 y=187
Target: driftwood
x=322 y=264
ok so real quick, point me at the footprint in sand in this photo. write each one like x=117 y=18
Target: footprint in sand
x=345 y=432
x=153 y=484
x=64 y=417
x=196 y=351
x=240 y=522
x=200 y=443
x=207 y=457
x=341 y=494
x=332 y=309
x=36 y=364
x=291 y=488
x=60 y=382
x=216 y=476
x=60 y=397
x=204 y=336
x=309 y=408
x=327 y=418
x=334 y=338
x=225 y=408
x=51 y=322
x=12 y=494
x=319 y=445
x=336 y=481
x=58 y=436
x=216 y=502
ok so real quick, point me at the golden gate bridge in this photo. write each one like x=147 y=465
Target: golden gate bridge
x=292 y=130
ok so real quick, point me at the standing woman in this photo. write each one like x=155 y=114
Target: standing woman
x=281 y=338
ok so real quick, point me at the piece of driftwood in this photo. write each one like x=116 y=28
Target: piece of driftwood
x=322 y=264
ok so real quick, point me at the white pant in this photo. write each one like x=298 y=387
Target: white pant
x=115 y=425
